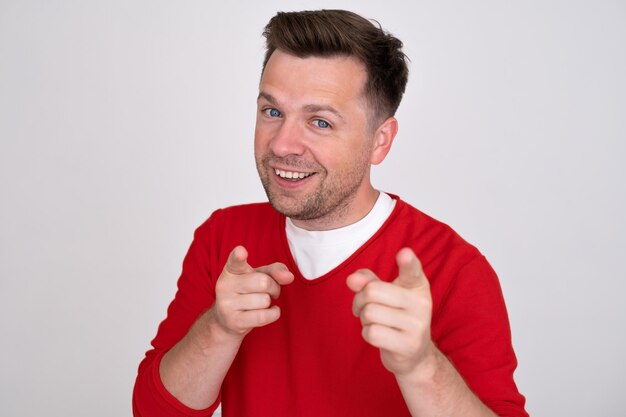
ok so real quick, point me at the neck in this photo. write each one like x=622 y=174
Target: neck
x=349 y=213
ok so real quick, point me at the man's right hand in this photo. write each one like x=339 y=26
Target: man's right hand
x=194 y=369
x=243 y=295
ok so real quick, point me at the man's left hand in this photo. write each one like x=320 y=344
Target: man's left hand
x=396 y=315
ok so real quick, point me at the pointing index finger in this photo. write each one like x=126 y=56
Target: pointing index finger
x=278 y=272
x=411 y=274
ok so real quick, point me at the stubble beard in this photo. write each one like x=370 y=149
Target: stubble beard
x=330 y=200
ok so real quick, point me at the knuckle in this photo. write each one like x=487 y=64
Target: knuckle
x=368 y=314
x=263 y=317
x=370 y=290
x=264 y=283
x=224 y=284
x=423 y=302
x=260 y=317
x=226 y=304
x=370 y=333
x=365 y=333
x=266 y=300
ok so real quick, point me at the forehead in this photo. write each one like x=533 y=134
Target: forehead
x=338 y=80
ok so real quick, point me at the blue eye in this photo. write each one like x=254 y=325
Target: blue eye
x=322 y=124
x=271 y=112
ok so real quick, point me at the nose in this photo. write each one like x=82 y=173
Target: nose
x=287 y=139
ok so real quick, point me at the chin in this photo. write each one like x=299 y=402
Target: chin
x=287 y=210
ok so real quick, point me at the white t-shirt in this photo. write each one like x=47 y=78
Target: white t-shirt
x=318 y=252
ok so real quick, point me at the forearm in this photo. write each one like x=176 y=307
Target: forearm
x=194 y=369
x=436 y=389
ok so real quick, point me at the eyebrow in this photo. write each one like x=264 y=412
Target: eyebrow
x=309 y=108
x=267 y=97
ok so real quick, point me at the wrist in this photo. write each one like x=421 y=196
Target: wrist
x=425 y=370
x=210 y=333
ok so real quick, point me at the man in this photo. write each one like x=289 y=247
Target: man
x=317 y=304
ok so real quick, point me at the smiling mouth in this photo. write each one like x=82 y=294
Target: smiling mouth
x=292 y=175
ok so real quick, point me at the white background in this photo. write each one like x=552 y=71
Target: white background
x=124 y=124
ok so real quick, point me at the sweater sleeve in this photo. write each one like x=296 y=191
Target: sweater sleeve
x=195 y=295
x=475 y=335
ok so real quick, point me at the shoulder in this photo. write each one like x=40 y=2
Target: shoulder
x=452 y=265
x=238 y=219
x=429 y=237
x=444 y=254
x=243 y=211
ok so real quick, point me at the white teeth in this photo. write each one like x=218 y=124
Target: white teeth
x=292 y=174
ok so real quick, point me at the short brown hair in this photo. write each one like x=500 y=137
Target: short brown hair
x=328 y=33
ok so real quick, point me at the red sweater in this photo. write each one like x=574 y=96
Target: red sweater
x=313 y=360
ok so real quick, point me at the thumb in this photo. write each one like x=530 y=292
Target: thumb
x=359 y=279
x=411 y=274
x=237 y=262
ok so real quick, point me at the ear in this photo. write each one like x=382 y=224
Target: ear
x=383 y=138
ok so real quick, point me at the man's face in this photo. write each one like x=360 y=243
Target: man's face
x=312 y=141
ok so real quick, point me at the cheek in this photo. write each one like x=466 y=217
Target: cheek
x=330 y=158
x=264 y=132
x=341 y=153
